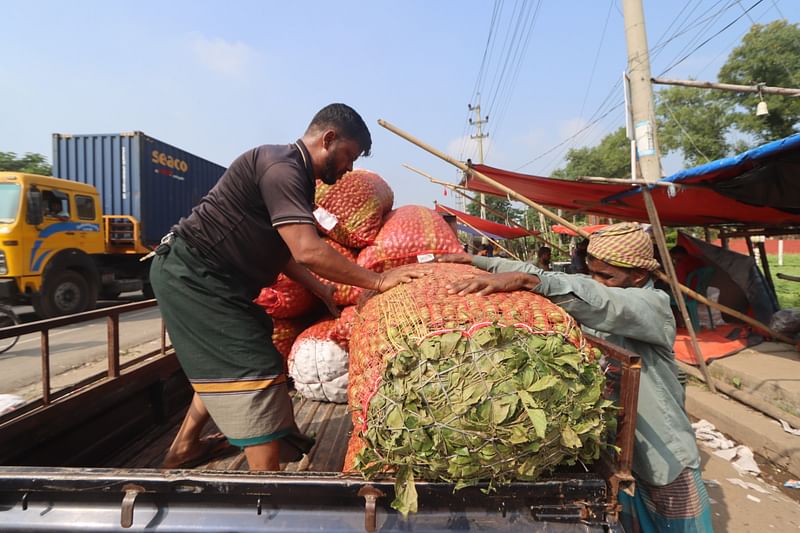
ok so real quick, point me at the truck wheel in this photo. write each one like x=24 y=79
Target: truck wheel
x=64 y=293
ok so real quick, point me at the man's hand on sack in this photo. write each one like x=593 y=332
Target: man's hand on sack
x=491 y=283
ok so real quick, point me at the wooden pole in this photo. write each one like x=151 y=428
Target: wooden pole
x=482 y=234
x=672 y=279
x=685 y=290
x=455 y=188
x=632 y=183
x=484 y=178
x=764 y=89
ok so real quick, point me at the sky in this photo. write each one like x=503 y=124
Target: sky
x=217 y=79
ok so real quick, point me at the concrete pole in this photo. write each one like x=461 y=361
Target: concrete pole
x=643 y=109
x=478 y=123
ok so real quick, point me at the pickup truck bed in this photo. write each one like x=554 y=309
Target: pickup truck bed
x=329 y=423
x=87 y=459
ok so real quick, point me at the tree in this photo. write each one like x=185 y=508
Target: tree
x=30 y=162
x=609 y=159
x=694 y=122
x=769 y=54
x=501 y=205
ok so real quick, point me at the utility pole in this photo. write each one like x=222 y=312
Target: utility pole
x=643 y=109
x=645 y=158
x=478 y=123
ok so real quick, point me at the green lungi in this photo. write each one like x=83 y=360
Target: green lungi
x=224 y=344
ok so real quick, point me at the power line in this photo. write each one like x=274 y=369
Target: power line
x=570 y=138
x=507 y=90
x=596 y=58
x=691 y=140
x=708 y=24
x=734 y=21
x=488 y=49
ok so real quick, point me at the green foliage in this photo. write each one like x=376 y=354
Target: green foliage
x=788 y=291
x=699 y=122
x=694 y=122
x=501 y=205
x=609 y=159
x=30 y=162
x=500 y=405
x=770 y=54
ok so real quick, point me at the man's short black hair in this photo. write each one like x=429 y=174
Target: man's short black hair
x=543 y=249
x=347 y=123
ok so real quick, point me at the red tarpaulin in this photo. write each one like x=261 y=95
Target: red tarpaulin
x=486 y=226
x=563 y=230
x=757 y=187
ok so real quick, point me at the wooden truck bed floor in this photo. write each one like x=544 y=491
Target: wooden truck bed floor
x=329 y=423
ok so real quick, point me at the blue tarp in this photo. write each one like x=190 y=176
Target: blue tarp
x=732 y=165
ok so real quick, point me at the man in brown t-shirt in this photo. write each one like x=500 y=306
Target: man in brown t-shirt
x=254 y=224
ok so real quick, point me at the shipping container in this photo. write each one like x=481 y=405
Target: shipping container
x=136 y=175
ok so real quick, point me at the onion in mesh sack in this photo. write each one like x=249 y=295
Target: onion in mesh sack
x=470 y=389
x=351 y=211
x=286 y=299
x=284 y=332
x=318 y=362
x=342 y=294
x=408 y=234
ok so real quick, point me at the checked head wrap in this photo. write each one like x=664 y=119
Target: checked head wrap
x=623 y=245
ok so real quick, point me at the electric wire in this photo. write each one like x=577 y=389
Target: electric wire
x=734 y=21
x=508 y=91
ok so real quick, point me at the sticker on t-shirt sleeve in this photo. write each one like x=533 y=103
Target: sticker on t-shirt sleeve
x=425 y=258
x=325 y=218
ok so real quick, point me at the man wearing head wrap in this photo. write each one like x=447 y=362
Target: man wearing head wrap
x=617 y=301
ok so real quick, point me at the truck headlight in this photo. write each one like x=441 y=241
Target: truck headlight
x=3 y=265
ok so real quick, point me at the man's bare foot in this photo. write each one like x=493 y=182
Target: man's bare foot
x=189 y=454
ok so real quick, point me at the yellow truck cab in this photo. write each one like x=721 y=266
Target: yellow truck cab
x=66 y=241
x=56 y=247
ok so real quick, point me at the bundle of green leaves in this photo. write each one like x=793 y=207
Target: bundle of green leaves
x=500 y=405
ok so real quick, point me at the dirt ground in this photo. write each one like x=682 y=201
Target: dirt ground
x=744 y=510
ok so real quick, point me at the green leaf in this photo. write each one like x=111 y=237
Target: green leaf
x=539 y=420
x=544 y=383
x=429 y=349
x=486 y=336
x=573 y=360
x=406 y=499
x=449 y=341
x=536 y=343
x=569 y=438
x=500 y=412
x=474 y=393
x=586 y=425
x=395 y=418
x=518 y=435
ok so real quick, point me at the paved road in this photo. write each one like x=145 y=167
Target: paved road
x=73 y=346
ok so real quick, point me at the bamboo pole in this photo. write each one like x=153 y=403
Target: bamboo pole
x=455 y=188
x=732 y=312
x=486 y=179
x=672 y=278
x=506 y=250
x=764 y=89
x=632 y=183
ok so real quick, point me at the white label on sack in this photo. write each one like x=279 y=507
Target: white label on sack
x=325 y=218
x=424 y=258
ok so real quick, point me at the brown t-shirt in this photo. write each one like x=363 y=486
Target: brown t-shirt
x=234 y=225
